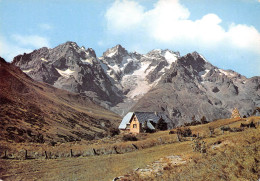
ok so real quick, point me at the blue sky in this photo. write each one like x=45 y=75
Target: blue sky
x=226 y=33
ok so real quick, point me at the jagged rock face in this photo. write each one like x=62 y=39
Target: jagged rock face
x=134 y=73
x=194 y=87
x=161 y=80
x=72 y=68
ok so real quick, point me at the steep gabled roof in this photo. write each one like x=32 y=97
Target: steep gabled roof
x=142 y=117
x=126 y=120
x=146 y=116
x=150 y=126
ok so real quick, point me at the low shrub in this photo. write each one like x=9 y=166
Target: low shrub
x=113 y=131
x=225 y=128
x=250 y=125
x=129 y=138
x=193 y=123
x=171 y=132
x=161 y=125
x=204 y=120
x=237 y=130
x=184 y=132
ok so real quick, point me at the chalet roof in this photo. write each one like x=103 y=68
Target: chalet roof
x=147 y=116
x=125 y=120
x=142 y=117
x=150 y=126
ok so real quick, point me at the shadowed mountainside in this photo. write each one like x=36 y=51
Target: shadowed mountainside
x=37 y=112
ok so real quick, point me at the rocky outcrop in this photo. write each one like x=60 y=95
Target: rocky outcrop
x=72 y=68
x=135 y=74
x=194 y=87
x=235 y=114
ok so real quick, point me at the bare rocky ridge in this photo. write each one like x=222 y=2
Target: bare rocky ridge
x=135 y=74
x=161 y=80
x=194 y=87
x=72 y=68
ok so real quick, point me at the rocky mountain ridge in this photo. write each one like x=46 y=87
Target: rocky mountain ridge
x=72 y=68
x=161 y=80
x=194 y=87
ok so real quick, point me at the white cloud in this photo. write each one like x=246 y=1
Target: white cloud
x=31 y=40
x=9 y=50
x=244 y=36
x=169 y=22
x=124 y=14
x=45 y=26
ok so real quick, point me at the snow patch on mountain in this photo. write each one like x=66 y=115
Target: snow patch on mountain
x=111 y=54
x=204 y=73
x=131 y=70
x=203 y=58
x=137 y=81
x=88 y=60
x=228 y=74
x=65 y=73
x=43 y=59
x=27 y=71
x=170 y=57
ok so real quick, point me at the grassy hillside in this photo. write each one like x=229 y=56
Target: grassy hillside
x=228 y=156
x=36 y=112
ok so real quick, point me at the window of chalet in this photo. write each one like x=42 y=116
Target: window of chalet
x=134 y=125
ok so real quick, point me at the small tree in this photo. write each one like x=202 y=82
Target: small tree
x=113 y=131
x=203 y=120
x=184 y=132
x=129 y=138
x=161 y=125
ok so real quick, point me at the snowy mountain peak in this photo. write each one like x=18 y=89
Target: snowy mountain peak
x=194 y=58
x=171 y=56
x=162 y=52
x=71 y=44
x=196 y=55
x=118 y=80
x=155 y=52
x=115 y=51
x=91 y=52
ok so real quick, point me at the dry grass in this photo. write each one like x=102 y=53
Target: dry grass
x=232 y=156
x=232 y=159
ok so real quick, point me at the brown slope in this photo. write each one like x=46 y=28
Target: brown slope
x=31 y=111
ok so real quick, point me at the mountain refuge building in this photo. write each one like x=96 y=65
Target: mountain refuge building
x=138 y=122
